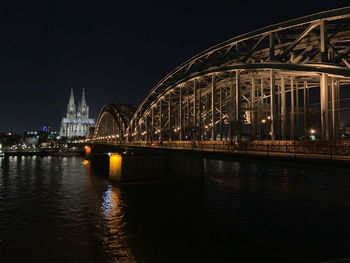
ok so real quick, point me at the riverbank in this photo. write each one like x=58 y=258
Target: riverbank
x=45 y=153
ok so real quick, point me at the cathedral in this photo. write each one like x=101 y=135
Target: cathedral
x=77 y=122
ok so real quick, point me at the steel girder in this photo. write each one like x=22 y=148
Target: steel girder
x=113 y=120
x=265 y=75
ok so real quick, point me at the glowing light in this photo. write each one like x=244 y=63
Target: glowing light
x=87 y=151
x=115 y=167
x=268 y=117
x=312 y=131
x=263 y=121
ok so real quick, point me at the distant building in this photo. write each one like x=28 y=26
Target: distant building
x=77 y=122
x=31 y=138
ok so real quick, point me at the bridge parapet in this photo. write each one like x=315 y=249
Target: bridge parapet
x=304 y=149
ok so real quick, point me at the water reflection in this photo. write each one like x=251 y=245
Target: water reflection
x=62 y=210
x=115 y=239
x=109 y=221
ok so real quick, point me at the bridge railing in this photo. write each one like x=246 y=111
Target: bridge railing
x=307 y=149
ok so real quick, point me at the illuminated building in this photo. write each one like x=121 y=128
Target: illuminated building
x=77 y=122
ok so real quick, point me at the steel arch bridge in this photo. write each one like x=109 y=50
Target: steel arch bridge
x=281 y=82
x=114 y=119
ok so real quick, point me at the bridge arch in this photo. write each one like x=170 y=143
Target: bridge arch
x=260 y=85
x=113 y=121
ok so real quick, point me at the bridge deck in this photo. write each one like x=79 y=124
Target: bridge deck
x=303 y=150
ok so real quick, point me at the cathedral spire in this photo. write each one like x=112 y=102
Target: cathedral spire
x=71 y=113
x=83 y=100
x=71 y=98
x=84 y=109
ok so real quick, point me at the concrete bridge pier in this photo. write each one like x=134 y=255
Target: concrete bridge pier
x=144 y=165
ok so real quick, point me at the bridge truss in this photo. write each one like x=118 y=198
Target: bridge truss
x=281 y=82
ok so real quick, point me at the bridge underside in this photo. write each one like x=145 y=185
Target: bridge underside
x=282 y=82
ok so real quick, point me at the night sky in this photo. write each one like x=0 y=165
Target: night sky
x=118 y=51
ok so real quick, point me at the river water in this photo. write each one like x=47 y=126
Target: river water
x=55 y=209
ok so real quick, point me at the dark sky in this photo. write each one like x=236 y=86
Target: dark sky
x=116 y=50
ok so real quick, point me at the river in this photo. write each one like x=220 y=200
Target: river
x=60 y=209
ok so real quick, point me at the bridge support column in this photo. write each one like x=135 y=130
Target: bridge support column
x=220 y=109
x=272 y=103
x=160 y=121
x=238 y=106
x=283 y=109
x=136 y=129
x=152 y=125
x=188 y=115
x=337 y=101
x=278 y=113
x=291 y=108
x=146 y=128
x=115 y=165
x=195 y=110
x=297 y=111
x=213 y=135
x=306 y=128
x=232 y=110
x=199 y=114
x=122 y=129
x=180 y=113
x=324 y=106
x=252 y=112
x=333 y=106
x=87 y=152
x=139 y=132
x=169 y=117
x=261 y=108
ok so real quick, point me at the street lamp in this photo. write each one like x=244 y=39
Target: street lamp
x=312 y=132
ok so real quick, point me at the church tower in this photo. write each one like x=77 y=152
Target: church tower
x=77 y=122
x=84 y=109
x=71 y=110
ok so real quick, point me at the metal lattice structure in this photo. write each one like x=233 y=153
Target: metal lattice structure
x=114 y=119
x=260 y=85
